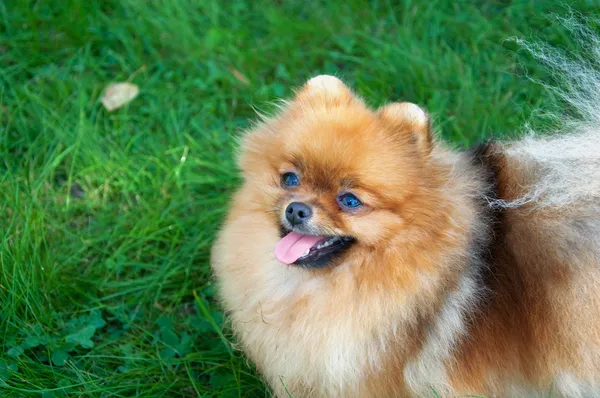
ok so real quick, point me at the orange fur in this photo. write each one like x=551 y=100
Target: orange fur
x=437 y=294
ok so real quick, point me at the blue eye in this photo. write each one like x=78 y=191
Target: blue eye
x=349 y=201
x=290 y=180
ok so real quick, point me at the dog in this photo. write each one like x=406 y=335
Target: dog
x=362 y=257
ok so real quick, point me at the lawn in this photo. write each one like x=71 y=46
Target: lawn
x=107 y=218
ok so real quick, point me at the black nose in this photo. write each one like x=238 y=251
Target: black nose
x=297 y=213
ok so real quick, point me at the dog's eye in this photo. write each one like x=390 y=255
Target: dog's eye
x=289 y=180
x=349 y=201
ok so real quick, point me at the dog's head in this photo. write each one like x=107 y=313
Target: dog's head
x=334 y=175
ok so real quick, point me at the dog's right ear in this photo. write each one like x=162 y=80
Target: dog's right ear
x=325 y=88
x=408 y=120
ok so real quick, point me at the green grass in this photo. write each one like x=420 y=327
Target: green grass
x=106 y=219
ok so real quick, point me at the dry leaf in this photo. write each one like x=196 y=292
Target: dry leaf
x=238 y=75
x=118 y=94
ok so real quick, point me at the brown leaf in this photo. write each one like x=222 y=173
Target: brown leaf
x=118 y=94
x=238 y=75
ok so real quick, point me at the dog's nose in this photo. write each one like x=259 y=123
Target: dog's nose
x=298 y=212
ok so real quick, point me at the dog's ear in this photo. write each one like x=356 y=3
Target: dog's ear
x=326 y=88
x=409 y=121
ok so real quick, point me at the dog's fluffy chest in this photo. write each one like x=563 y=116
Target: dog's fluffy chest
x=302 y=340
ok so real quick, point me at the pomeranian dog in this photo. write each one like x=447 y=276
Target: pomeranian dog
x=363 y=258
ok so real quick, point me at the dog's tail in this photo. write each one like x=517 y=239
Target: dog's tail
x=561 y=167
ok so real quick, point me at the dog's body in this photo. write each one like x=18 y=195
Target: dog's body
x=458 y=273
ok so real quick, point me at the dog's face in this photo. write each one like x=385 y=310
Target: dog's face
x=334 y=176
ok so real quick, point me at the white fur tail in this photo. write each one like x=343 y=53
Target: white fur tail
x=562 y=166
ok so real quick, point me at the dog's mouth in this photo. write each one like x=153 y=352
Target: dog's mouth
x=310 y=251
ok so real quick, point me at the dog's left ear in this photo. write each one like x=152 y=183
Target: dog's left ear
x=410 y=121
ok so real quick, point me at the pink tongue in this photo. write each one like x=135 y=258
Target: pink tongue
x=293 y=246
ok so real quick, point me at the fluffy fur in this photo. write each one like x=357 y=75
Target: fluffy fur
x=470 y=273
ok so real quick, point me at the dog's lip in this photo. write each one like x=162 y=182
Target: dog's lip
x=326 y=242
x=322 y=253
